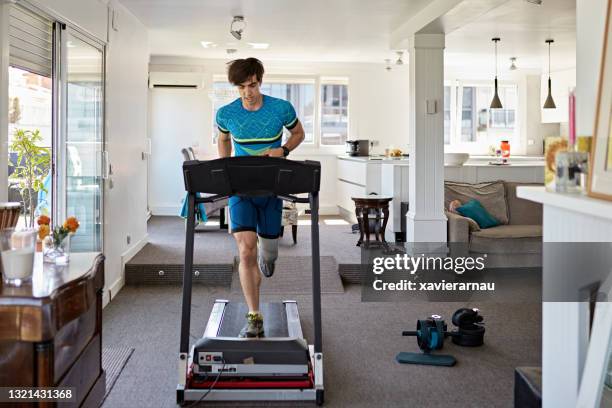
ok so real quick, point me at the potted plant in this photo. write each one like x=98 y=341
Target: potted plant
x=31 y=167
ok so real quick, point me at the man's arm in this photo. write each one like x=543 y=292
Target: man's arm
x=224 y=145
x=297 y=137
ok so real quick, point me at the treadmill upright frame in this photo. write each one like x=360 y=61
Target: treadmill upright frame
x=216 y=178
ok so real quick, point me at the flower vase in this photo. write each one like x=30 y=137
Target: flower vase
x=56 y=251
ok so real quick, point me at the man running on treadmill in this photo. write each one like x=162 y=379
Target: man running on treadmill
x=254 y=122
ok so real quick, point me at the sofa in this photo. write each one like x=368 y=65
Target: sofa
x=520 y=229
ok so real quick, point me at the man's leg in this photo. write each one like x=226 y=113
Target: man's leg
x=250 y=278
x=243 y=217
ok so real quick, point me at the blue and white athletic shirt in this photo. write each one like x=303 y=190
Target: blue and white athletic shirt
x=254 y=132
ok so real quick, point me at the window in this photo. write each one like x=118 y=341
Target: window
x=470 y=125
x=301 y=96
x=334 y=114
x=30 y=100
x=447 y=114
x=468 y=111
x=329 y=128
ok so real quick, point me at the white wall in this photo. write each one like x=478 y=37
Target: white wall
x=89 y=15
x=535 y=130
x=378 y=106
x=126 y=133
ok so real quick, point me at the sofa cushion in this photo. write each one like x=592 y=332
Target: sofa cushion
x=521 y=211
x=474 y=210
x=492 y=196
x=508 y=239
x=510 y=231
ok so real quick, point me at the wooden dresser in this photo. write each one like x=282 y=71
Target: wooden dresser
x=51 y=330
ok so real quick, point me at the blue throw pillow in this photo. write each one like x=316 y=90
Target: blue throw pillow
x=474 y=210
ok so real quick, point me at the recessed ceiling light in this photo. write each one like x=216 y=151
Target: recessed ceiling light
x=208 y=44
x=259 y=46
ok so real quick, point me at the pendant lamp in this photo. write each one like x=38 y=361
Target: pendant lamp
x=549 y=103
x=496 y=103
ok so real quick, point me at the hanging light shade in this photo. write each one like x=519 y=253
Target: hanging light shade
x=549 y=103
x=496 y=103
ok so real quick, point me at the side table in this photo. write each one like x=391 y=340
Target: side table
x=363 y=205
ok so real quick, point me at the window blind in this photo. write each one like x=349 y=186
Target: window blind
x=30 y=41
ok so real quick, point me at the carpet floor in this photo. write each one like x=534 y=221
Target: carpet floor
x=167 y=242
x=294 y=276
x=360 y=341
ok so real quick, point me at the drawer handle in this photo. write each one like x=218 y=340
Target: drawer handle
x=196 y=273
x=161 y=273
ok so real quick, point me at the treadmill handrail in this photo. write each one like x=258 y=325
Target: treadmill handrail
x=218 y=197
x=251 y=176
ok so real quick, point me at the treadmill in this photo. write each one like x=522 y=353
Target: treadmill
x=220 y=366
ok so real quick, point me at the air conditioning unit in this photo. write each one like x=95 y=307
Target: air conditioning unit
x=186 y=80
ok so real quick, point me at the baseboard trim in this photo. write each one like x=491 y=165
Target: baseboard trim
x=114 y=289
x=133 y=250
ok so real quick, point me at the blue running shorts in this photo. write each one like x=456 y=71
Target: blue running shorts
x=258 y=214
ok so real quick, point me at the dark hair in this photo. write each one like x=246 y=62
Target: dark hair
x=240 y=70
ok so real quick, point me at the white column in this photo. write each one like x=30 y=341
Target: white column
x=425 y=221
x=4 y=65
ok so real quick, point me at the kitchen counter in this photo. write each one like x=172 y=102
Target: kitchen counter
x=375 y=159
x=476 y=161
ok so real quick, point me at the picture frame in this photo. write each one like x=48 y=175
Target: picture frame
x=594 y=387
x=600 y=176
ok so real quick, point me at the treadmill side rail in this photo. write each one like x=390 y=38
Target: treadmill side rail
x=215 y=319
x=182 y=369
x=317 y=367
x=294 y=327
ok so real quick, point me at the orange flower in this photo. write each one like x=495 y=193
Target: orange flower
x=71 y=224
x=44 y=220
x=43 y=231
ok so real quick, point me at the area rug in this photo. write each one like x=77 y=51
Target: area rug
x=114 y=360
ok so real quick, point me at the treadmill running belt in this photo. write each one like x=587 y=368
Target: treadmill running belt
x=275 y=319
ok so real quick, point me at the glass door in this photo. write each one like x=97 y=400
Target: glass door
x=81 y=184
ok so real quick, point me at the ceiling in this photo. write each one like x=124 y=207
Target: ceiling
x=356 y=30
x=314 y=30
x=523 y=28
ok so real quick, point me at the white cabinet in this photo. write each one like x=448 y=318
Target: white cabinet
x=356 y=176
